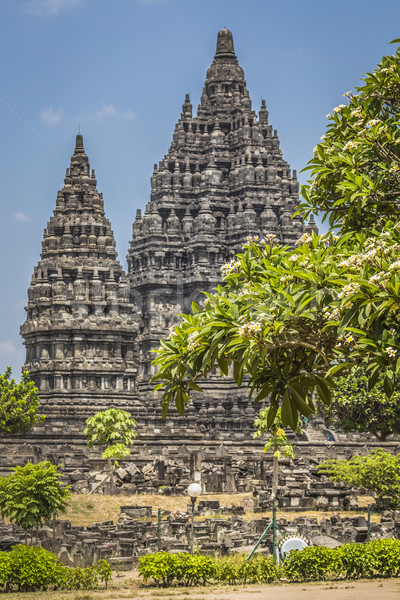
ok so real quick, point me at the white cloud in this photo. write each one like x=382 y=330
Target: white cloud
x=9 y=350
x=48 y=8
x=109 y=111
x=51 y=116
x=21 y=216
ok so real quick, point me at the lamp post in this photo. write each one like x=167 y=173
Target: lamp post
x=194 y=490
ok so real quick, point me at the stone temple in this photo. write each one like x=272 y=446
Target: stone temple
x=90 y=326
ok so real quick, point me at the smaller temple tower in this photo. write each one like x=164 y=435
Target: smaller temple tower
x=80 y=331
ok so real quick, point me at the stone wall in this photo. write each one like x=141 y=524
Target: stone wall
x=228 y=468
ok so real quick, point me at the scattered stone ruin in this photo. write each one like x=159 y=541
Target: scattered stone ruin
x=136 y=533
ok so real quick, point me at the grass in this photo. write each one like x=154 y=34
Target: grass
x=84 y=510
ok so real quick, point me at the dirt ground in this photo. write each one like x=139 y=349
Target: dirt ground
x=128 y=589
x=352 y=590
x=360 y=590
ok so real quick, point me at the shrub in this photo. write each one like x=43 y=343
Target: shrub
x=31 y=568
x=185 y=569
x=314 y=563
x=269 y=571
x=380 y=558
x=79 y=579
x=104 y=571
x=159 y=567
x=357 y=560
x=387 y=556
x=227 y=571
x=194 y=569
x=4 y=569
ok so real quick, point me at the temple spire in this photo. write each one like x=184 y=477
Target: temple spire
x=79 y=149
x=224 y=44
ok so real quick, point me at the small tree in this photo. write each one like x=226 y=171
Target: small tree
x=19 y=404
x=112 y=429
x=277 y=443
x=356 y=408
x=31 y=494
x=378 y=473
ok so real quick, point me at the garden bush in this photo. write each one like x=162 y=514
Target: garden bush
x=314 y=563
x=380 y=558
x=185 y=569
x=32 y=568
x=258 y=570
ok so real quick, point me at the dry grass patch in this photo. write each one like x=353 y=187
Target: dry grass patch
x=84 y=510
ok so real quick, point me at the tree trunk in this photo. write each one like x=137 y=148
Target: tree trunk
x=274 y=490
x=110 y=468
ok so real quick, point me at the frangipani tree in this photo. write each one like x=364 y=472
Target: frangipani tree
x=356 y=166
x=289 y=319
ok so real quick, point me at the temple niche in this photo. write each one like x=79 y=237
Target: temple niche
x=91 y=328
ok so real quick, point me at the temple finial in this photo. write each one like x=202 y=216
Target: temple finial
x=225 y=43
x=79 y=149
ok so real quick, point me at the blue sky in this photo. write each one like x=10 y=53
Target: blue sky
x=121 y=69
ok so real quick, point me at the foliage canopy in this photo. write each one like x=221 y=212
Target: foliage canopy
x=112 y=429
x=356 y=408
x=31 y=494
x=356 y=166
x=377 y=473
x=19 y=404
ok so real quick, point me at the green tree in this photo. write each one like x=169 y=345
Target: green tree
x=31 y=494
x=356 y=408
x=356 y=166
x=287 y=320
x=378 y=474
x=277 y=443
x=112 y=429
x=19 y=404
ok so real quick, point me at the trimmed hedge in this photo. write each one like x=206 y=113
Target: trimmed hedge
x=380 y=558
x=32 y=568
x=184 y=569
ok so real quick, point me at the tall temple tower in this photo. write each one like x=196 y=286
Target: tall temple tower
x=222 y=180
x=81 y=328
